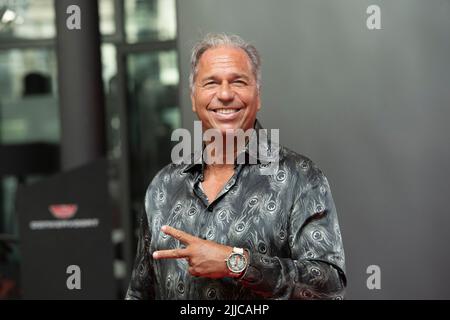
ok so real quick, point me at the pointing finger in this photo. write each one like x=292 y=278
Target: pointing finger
x=178 y=234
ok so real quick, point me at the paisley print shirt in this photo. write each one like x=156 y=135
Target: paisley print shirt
x=287 y=220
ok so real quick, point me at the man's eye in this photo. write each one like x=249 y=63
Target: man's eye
x=240 y=82
x=209 y=83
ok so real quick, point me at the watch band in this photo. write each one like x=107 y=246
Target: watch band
x=248 y=265
x=238 y=250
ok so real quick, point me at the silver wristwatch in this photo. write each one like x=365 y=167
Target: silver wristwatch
x=236 y=261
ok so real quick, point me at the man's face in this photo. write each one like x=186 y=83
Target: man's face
x=225 y=95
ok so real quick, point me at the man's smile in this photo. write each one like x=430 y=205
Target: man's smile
x=227 y=114
x=226 y=111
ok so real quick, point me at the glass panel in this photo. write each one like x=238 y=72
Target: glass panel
x=28 y=104
x=28 y=113
x=106 y=13
x=9 y=251
x=109 y=74
x=154 y=114
x=112 y=126
x=8 y=223
x=27 y=19
x=150 y=20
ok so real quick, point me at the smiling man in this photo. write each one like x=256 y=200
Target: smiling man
x=223 y=230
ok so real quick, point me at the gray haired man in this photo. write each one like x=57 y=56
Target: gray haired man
x=225 y=231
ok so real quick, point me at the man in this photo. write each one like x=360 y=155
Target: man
x=226 y=231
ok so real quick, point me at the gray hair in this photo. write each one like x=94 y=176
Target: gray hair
x=213 y=40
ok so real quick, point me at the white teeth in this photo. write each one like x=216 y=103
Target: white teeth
x=226 y=111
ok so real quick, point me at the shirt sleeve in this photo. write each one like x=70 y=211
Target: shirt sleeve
x=316 y=267
x=141 y=282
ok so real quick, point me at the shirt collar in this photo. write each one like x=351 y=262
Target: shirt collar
x=250 y=157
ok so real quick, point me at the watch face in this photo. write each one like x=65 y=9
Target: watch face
x=237 y=262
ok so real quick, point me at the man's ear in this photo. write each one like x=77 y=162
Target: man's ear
x=259 y=102
x=194 y=109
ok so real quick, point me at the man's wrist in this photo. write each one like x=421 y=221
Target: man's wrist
x=246 y=254
x=247 y=257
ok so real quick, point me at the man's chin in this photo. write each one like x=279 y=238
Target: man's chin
x=229 y=130
x=223 y=127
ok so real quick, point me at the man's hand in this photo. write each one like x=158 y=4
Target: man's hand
x=206 y=258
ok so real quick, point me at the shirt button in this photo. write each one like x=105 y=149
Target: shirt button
x=211 y=293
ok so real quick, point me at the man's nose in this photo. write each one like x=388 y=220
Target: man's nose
x=225 y=93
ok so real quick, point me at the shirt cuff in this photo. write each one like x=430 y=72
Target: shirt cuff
x=251 y=274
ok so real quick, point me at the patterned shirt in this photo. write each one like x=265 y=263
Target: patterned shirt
x=286 y=220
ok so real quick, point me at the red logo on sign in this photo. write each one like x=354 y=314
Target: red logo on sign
x=63 y=211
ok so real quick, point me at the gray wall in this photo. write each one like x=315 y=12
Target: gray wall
x=371 y=108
